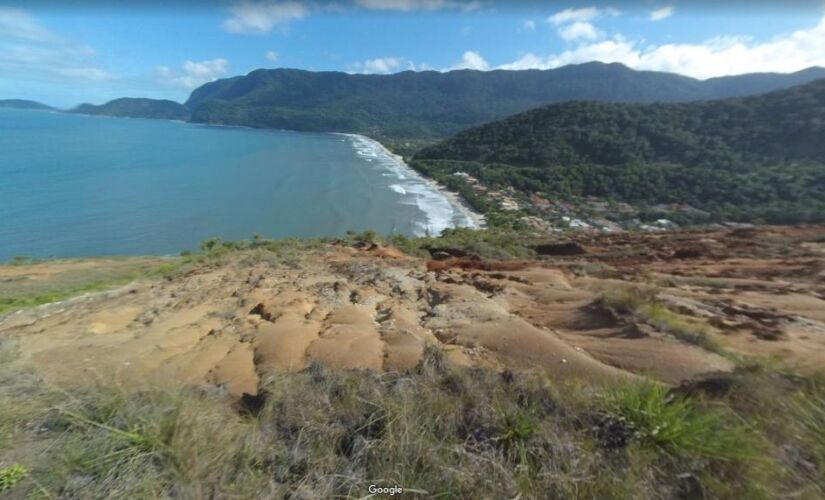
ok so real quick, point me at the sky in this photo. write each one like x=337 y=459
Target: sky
x=94 y=51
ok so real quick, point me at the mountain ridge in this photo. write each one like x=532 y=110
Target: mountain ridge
x=136 y=107
x=434 y=104
x=748 y=158
x=431 y=104
x=23 y=104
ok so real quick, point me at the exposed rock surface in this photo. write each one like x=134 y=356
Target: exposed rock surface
x=235 y=324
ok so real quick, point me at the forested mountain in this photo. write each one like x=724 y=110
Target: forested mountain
x=752 y=158
x=22 y=104
x=760 y=83
x=137 y=107
x=428 y=104
x=432 y=104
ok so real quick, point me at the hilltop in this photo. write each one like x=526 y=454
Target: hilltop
x=655 y=365
x=758 y=158
x=137 y=107
x=250 y=309
x=23 y=104
x=433 y=104
x=428 y=104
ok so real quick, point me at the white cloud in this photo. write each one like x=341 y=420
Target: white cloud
x=192 y=74
x=412 y=5
x=92 y=74
x=584 y=14
x=528 y=25
x=579 y=30
x=30 y=50
x=262 y=17
x=19 y=25
x=271 y=56
x=617 y=50
x=574 y=24
x=717 y=56
x=527 y=61
x=471 y=60
x=380 y=65
x=663 y=13
x=386 y=65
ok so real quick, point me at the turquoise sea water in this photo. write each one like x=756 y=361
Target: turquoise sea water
x=75 y=185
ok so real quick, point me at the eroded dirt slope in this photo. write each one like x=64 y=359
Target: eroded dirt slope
x=750 y=292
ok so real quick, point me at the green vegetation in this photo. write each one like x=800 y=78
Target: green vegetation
x=628 y=300
x=437 y=430
x=23 y=104
x=63 y=279
x=10 y=476
x=642 y=305
x=675 y=281
x=429 y=104
x=440 y=172
x=782 y=406
x=20 y=290
x=135 y=107
x=757 y=158
x=675 y=425
x=215 y=251
x=493 y=243
x=406 y=148
x=808 y=414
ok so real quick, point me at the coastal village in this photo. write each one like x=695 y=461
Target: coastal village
x=543 y=214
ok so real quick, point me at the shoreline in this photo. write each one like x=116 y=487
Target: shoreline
x=455 y=200
x=475 y=219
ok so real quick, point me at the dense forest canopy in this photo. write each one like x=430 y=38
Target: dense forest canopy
x=137 y=107
x=431 y=104
x=427 y=105
x=636 y=136
x=753 y=158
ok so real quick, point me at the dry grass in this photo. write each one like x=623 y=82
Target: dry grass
x=26 y=287
x=437 y=431
x=641 y=304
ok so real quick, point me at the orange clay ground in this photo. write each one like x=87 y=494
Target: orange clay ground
x=748 y=292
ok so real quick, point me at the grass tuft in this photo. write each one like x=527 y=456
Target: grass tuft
x=70 y=278
x=642 y=304
x=807 y=413
x=675 y=424
x=438 y=430
x=12 y=475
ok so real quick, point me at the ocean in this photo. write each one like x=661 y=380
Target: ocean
x=75 y=185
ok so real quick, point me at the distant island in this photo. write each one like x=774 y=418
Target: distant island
x=22 y=104
x=137 y=107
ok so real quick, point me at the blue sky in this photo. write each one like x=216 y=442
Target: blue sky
x=93 y=52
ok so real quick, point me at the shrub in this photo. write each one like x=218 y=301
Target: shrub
x=628 y=300
x=669 y=322
x=10 y=476
x=642 y=304
x=674 y=424
x=807 y=414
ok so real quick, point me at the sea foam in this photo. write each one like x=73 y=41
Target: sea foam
x=439 y=211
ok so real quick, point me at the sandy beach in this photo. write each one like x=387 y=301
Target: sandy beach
x=476 y=219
